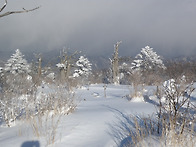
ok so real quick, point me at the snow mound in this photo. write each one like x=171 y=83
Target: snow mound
x=137 y=99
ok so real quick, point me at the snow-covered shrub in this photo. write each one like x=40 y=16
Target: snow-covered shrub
x=177 y=94
x=47 y=98
x=13 y=107
x=170 y=87
x=54 y=98
x=15 y=104
x=175 y=106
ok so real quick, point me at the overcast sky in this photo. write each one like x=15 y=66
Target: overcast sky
x=94 y=26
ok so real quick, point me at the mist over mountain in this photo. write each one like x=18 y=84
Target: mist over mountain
x=51 y=58
x=93 y=27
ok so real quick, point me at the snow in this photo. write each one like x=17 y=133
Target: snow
x=89 y=124
x=61 y=65
x=94 y=123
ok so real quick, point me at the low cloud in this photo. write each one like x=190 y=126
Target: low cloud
x=94 y=26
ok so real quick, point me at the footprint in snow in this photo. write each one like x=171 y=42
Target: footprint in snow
x=95 y=94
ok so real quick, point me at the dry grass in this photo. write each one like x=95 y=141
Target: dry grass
x=145 y=134
x=45 y=126
x=174 y=125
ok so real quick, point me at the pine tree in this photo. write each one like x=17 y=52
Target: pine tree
x=17 y=88
x=17 y=64
x=83 y=67
x=147 y=60
x=146 y=69
x=17 y=74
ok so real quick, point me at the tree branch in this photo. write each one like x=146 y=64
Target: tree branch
x=4 y=6
x=14 y=12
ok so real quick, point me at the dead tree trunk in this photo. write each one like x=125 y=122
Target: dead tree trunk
x=39 y=67
x=115 y=67
x=66 y=60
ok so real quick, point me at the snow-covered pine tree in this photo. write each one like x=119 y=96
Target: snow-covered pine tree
x=145 y=69
x=17 y=89
x=83 y=67
x=17 y=74
x=147 y=60
x=17 y=64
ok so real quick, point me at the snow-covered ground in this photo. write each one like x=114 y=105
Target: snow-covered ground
x=98 y=121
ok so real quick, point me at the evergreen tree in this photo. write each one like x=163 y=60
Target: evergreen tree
x=147 y=60
x=17 y=64
x=17 y=74
x=83 y=67
x=17 y=88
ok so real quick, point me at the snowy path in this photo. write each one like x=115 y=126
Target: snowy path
x=94 y=123
x=91 y=124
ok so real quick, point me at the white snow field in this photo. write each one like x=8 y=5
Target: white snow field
x=98 y=121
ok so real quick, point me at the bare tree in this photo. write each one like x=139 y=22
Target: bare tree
x=65 y=64
x=115 y=60
x=14 y=12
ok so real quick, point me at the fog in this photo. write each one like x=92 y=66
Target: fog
x=94 y=26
